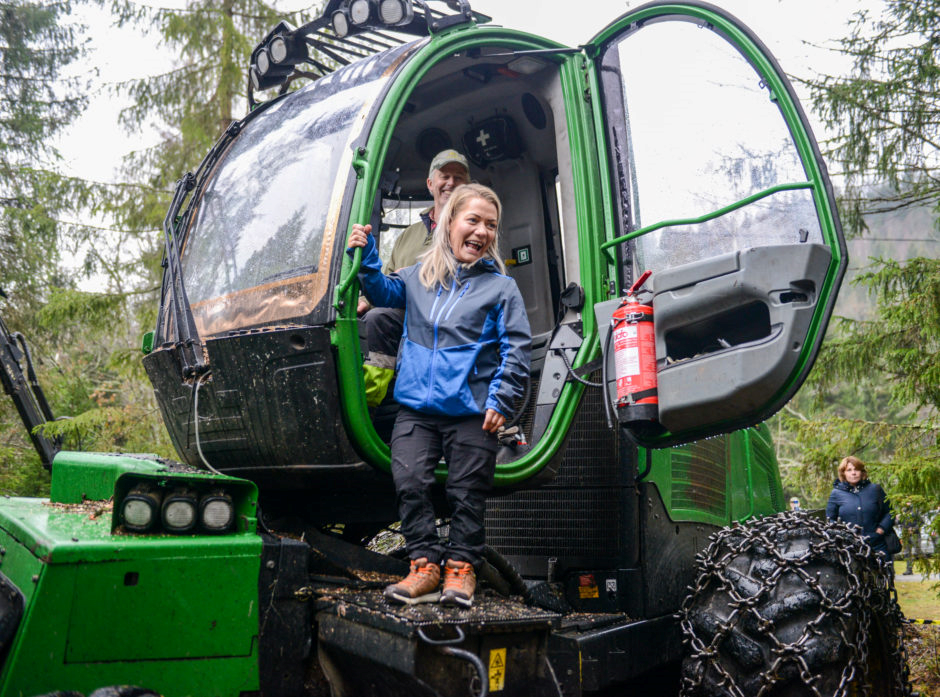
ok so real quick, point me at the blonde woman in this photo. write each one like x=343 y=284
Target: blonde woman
x=463 y=360
x=858 y=501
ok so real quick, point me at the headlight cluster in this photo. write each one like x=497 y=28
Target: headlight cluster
x=176 y=509
x=356 y=15
x=275 y=57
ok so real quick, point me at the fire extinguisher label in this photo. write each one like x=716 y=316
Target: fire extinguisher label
x=628 y=361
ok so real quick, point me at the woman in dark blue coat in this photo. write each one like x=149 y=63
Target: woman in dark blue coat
x=858 y=501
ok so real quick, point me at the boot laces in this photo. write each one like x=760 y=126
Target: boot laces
x=454 y=578
x=418 y=575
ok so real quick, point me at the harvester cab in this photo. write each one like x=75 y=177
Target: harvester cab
x=672 y=229
x=670 y=142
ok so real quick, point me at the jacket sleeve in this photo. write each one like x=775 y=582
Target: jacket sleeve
x=515 y=343
x=381 y=290
x=886 y=520
x=832 y=507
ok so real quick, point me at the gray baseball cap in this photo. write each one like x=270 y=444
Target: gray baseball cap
x=445 y=157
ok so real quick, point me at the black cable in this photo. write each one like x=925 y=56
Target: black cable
x=261 y=523
x=506 y=570
x=649 y=466
x=608 y=412
x=571 y=372
x=525 y=402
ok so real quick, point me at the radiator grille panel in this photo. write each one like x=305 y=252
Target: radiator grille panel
x=556 y=522
x=581 y=513
x=700 y=476
x=767 y=461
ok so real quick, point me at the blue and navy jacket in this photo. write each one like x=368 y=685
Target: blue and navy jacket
x=864 y=505
x=465 y=349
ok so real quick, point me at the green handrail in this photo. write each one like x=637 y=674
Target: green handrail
x=363 y=171
x=348 y=279
x=605 y=247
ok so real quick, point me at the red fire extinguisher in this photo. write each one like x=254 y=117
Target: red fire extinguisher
x=635 y=357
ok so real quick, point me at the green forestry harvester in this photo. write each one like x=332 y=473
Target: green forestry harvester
x=670 y=142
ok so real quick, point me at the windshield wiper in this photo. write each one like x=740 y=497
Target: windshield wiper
x=191 y=355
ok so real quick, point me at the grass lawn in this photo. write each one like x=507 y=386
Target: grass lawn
x=918 y=599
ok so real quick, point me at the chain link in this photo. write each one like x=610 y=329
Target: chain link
x=789 y=548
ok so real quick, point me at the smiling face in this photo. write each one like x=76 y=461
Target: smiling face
x=852 y=475
x=443 y=181
x=473 y=230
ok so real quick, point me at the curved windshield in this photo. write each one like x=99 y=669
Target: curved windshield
x=259 y=247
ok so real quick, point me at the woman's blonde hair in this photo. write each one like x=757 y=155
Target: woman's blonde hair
x=438 y=264
x=856 y=463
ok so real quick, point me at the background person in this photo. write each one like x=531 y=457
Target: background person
x=858 y=501
x=449 y=169
x=463 y=361
x=909 y=520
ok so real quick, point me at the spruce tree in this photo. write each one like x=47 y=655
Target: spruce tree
x=38 y=43
x=190 y=106
x=877 y=380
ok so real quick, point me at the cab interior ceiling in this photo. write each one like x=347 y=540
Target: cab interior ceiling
x=462 y=91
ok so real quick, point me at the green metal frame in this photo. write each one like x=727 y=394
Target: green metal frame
x=587 y=186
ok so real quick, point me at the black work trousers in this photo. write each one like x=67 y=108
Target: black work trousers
x=418 y=443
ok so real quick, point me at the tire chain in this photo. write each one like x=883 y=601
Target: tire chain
x=870 y=589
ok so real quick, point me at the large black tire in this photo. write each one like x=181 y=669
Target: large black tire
x=792 y=606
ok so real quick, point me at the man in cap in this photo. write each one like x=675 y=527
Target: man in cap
x=384 y=326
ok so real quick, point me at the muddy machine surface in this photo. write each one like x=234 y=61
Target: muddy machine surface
x=670 y=142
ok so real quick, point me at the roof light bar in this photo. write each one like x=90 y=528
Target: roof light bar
x=359 y=12
x=396 y=13
x=375 y=24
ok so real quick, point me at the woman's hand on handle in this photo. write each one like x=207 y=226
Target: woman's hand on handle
x=493 y=421
x=360 y=235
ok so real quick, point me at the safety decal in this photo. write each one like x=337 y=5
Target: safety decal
x=497 y=669
x=587 y=586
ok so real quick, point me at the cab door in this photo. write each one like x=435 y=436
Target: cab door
x=717 y=187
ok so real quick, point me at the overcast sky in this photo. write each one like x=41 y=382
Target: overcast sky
x=798 y=33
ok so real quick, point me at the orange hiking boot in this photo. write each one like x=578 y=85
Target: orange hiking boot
x=459 y=583
x=419 y=586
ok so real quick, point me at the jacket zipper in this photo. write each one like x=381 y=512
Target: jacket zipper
x=437 y=322
x=464 y=290
x=427 y=399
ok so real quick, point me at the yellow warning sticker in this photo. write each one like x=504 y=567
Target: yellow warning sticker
x=588 y=592
x=587 y=586
x=497 y=669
